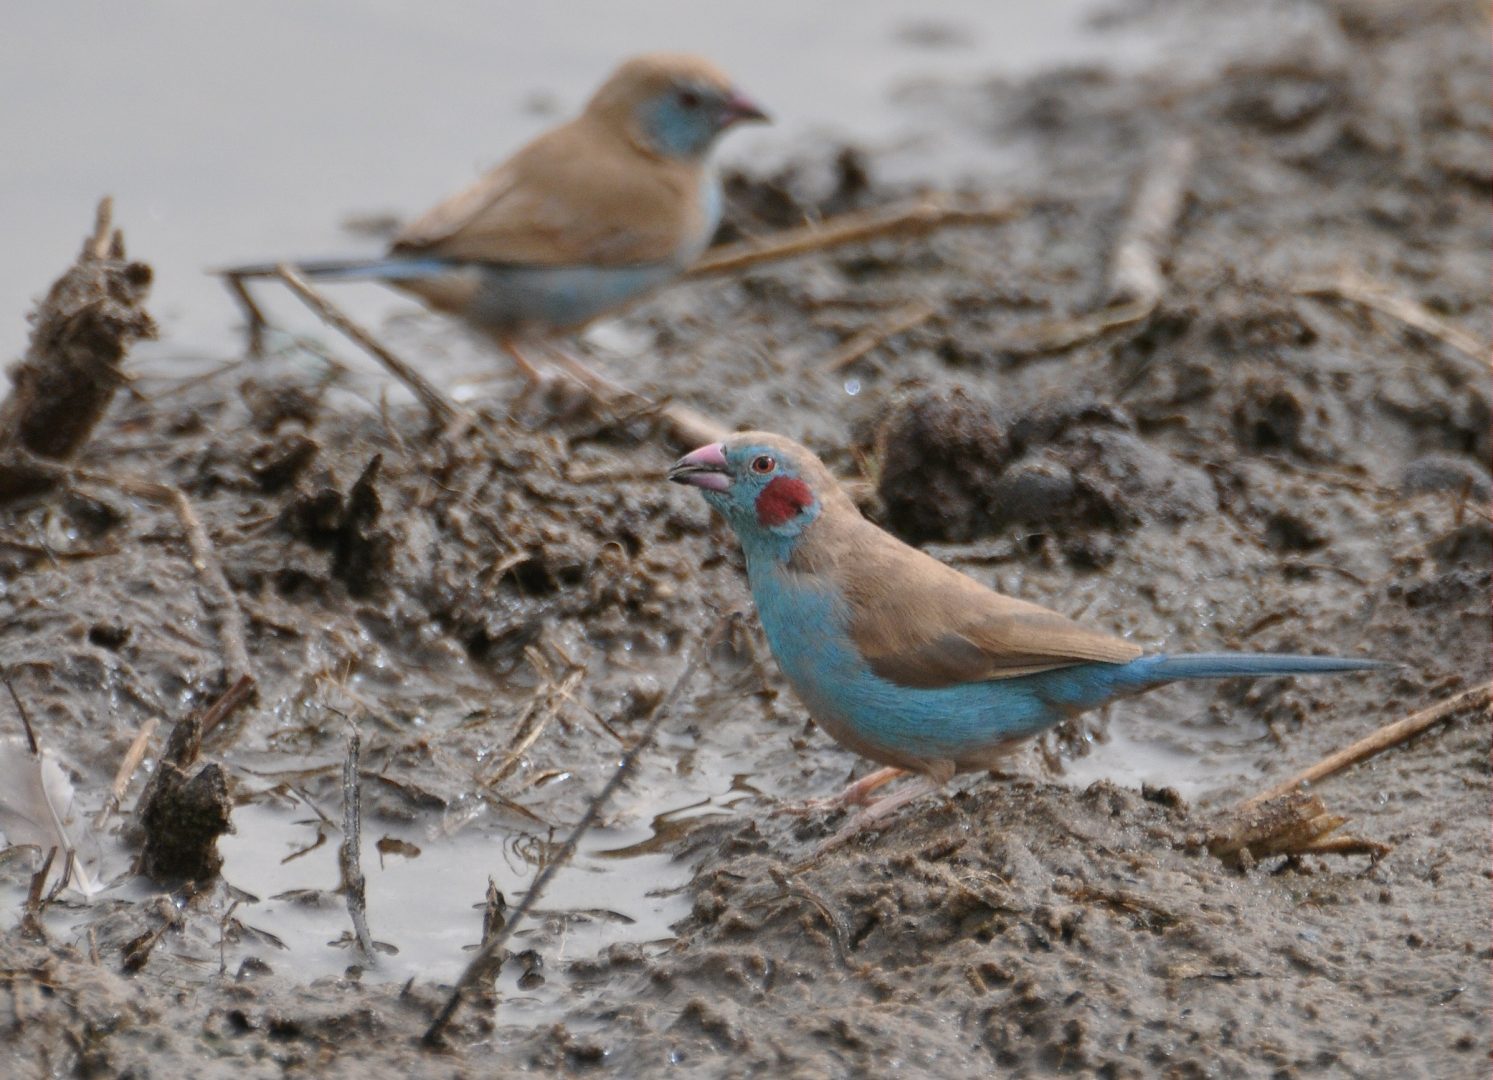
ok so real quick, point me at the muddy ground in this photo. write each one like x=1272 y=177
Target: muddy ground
x=1254 y=465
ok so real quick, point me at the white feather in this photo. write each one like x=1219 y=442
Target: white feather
x=37 y=809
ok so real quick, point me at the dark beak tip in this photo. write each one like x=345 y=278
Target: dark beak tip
x=741 y=109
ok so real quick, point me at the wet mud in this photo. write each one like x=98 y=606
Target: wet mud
x=1260 y=461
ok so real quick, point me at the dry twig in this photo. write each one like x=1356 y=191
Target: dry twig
x=126 y=771
x=31 y=743
x=1289 y=819
x=349 y=854
x=1135 y=283
x=1376 y=296
x=236 y=696
x=31 y=910
x=1387 y=737
x=205 y=562
x=905 y=318
x=920 y=218
x=442 y=410
x=1135 y=267
x=543 y=709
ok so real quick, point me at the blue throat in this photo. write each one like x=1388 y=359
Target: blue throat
x=675 y=131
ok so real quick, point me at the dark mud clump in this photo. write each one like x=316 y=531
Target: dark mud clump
x=953 y=469
x=182 y=813
x=80 y=332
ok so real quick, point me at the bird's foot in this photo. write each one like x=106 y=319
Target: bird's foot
x=856 y=794
x=875 y=814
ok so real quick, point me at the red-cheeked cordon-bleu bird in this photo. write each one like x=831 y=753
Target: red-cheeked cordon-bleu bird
x=902 y=658
x=587 y=217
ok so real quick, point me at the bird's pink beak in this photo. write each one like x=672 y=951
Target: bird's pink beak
x=738 y=108
x=703 y=468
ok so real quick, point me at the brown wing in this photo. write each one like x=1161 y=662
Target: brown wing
x=577 y=195
x=923 y=624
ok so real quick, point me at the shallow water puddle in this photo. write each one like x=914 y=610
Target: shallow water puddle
x=1163 y=740
x=429 y=906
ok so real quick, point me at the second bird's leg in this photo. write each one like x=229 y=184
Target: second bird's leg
x=592 y=379
x=856 y=794
x=525 y=368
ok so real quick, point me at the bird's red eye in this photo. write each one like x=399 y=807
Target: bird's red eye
x=689 y=99
x=763 y=464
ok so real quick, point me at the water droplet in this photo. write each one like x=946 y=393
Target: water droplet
x=852 y=387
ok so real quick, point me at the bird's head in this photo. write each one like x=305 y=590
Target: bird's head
x=769 y=488
x=672 y=105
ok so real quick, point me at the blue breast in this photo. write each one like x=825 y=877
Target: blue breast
x=807 y=628
x=514 y=299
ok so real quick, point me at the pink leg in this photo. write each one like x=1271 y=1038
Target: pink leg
x=881 y=808
x=856 y=794
x=530 y=373
x=588 y=376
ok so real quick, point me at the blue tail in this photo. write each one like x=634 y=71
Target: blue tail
x=380 y=268
x=1160 y=669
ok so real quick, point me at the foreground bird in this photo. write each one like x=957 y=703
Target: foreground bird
x=587 y=217
x=902 y=658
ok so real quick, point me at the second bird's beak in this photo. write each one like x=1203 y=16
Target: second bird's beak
x=703 y=468
x=738 y=108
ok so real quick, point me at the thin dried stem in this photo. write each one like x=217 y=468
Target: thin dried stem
x=349 y=854
x=205 y=561
x=442 y=410
x=537 y=717
x=1387 y=737
x=254 y=319
x=905 y=318
x=126 y=771
x=1376 y=296
x=229 y=703
x=31 y=742
x=924 y=216
x=1135 y=274
x=1135 y=283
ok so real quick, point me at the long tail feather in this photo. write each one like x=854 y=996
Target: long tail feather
x=1231 y=665
x=381 y=268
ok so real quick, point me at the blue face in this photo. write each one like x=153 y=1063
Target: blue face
x=758 y=488
x=684 y=120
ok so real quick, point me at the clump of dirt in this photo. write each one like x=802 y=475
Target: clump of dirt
x=954 y=469
x=1280 y=456
x=183 y=813
x=81 y=331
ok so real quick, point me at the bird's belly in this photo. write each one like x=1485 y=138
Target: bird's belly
x=523 y=300
x=971 y=724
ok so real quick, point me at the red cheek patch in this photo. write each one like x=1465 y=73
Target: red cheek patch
x=782 y=500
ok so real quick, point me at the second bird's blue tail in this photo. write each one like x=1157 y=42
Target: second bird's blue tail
x=1160 y=669
x=393 y=268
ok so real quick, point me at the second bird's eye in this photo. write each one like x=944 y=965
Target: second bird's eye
x=689 y=99
x=763 y=464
